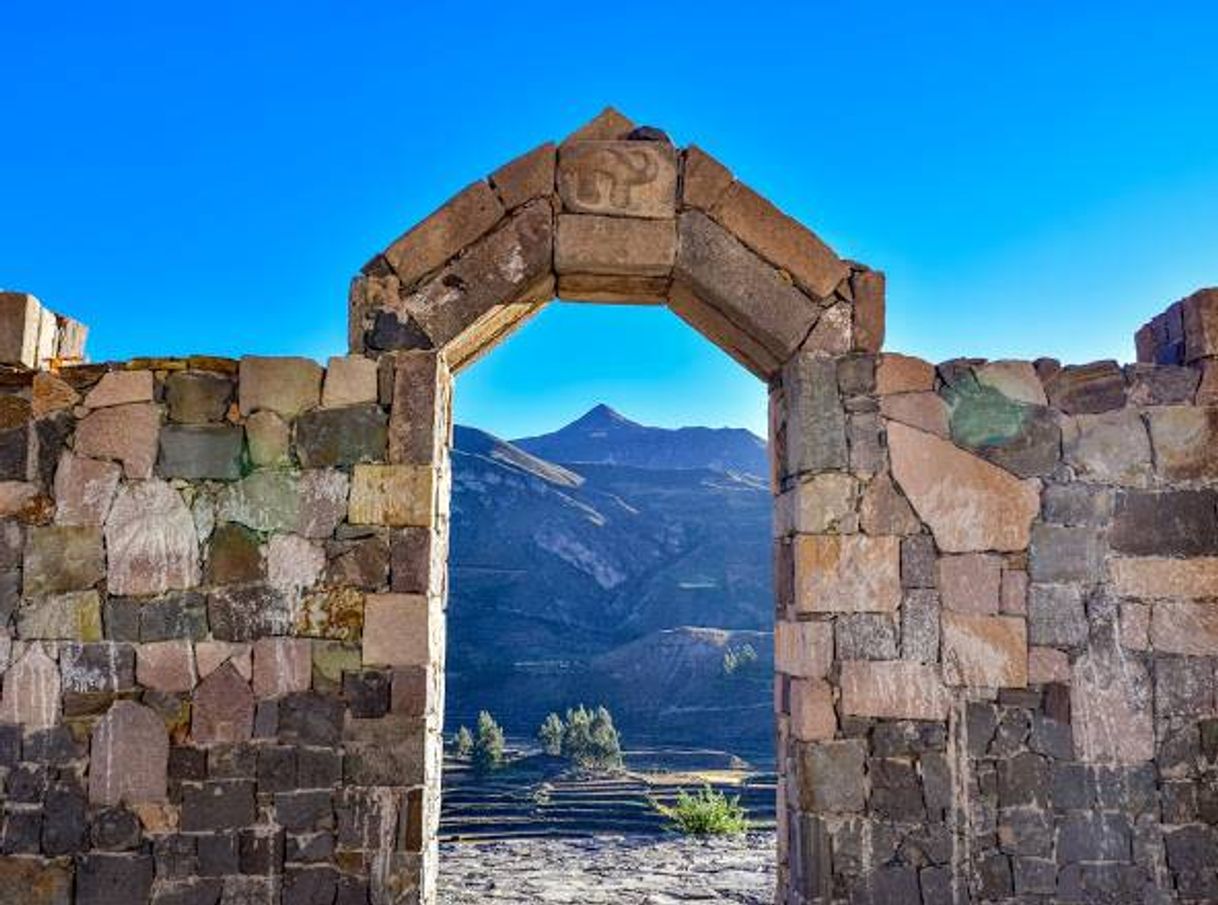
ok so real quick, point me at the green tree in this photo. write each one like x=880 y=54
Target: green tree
x=577 y=737
x=463 y=743
x=550 y=734
x=488 y=745
x=605 y=751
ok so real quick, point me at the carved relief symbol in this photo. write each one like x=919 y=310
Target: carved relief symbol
x=609 y=178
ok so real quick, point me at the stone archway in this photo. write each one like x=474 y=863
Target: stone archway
x=616 y=214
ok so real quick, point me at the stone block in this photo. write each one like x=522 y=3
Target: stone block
x=925 y=411
x=417 y=426
x=60 y=558
x=282 y=666
x=1170 y=523
x=235 y=555
x=812 y=714
x=1061 y=554
x=704 y=179
x=198 y=397
x=1184 y=686
x=463 y=219
x=211 y=655
x=326 y=438
x=1056 y=616
x=529 y=176
x=402 y=630
x=1184 y=627
x=970 y=583
x=779 y=239
x=1017 y=380
x=1162 y=384
x=322 y=501
x=885 y=511
x=96 y=667
x=614 y=245
x=21 y=326
x=125 y=433
x=293 y=563
x=113 y=879
x=350 y=380
x=1087 y=389
x=1013 y=595
x=214 y=806
x=285 y=386
x=130 y=757
x=393 y=495
x=829 y=776
x=247 y=612
x=263 y=501
x=820 y=504
x=367 y=693
x=847 y=573
x=618 y=178
x=900 y=690
x=1185 y=441
x=151 y=541
x=803 y=649
x=832 y=334
x=726 y=276
x=868 y=289
x=918 y=561
x=920 y=626
x=1201 y=325
x=1159 y=577
x=1047 y=665
x=268 y=438
x=121 y=388
x=969 y=504
x=389 y=751
x=612 y=289
x=50 y=394
x=167 y=666
x=73 y=616
x=196 y=452
x=865 y=636
x=335 y=613
x=1112 y=448
x=223 y=708
x=84 y=489
x=31 y=692
x=495 y=271
x=1111 y=707
x=816 y=421
x=903 y=374
x=985 y=651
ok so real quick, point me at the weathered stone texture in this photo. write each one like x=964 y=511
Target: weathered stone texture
x=618 y=178
x=969 y=504
x=893 y=690
x=151 y=541
x=847 y=573
x=285 y=386
x=614 y=245
x=130 y=756
x=464 y=219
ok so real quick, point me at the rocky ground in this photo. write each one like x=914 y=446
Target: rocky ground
x=631 y=870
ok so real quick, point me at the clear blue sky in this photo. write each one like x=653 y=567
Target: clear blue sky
x=1035 y=177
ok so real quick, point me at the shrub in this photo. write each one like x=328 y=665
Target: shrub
x=463 y=743
x=708 y=813
x=488 y=745
x=550 y=735
x=736 y=659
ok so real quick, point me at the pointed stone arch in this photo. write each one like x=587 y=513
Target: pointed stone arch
x=615 y=214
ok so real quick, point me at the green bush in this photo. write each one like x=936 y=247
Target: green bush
x=488 y=745
x=708 y=813
x=463 y=743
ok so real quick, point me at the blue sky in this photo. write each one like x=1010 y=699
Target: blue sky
x=1036 y=178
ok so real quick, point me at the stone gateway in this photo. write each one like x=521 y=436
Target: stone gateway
x=223 y=582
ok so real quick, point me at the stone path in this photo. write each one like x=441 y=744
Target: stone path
x=633 y=870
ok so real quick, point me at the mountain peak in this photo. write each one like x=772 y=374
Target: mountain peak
x=600 y=415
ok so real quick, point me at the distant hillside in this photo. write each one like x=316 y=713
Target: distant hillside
x=603 y=436
x=581 y=581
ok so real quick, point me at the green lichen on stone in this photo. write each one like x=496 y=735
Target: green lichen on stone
x=983 y=417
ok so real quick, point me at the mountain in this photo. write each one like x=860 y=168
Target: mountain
x=605 y=437
x=612 y=582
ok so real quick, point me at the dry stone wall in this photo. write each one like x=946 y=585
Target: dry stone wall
x=998 y=629
x=223 y=583
x=222 y=588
